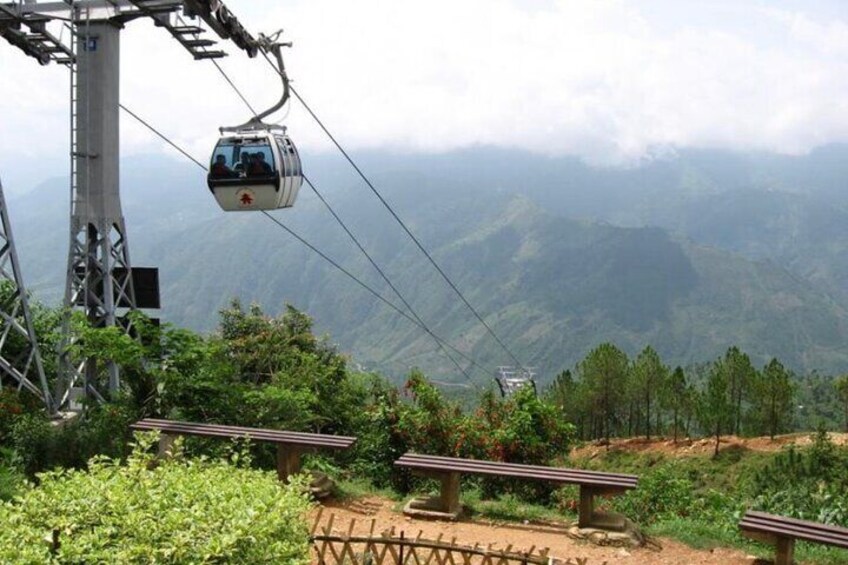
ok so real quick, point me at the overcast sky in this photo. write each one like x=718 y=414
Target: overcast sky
x=610 y=81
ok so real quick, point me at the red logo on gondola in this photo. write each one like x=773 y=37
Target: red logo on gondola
x=245 y=198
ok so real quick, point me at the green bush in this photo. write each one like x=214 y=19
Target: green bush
x=189 y=511
x=377 y=446
x=11 y=474
x=104 y=430
x=520 y=429
x=809 y=484
x=663 y=493
x=32 y=437
x=10 y=409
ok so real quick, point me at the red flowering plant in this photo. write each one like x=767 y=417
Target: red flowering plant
x=428 y=423
x=520 y=429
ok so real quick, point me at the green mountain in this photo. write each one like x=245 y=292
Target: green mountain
x=701 y=258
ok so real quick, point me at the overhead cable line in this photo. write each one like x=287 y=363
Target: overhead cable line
x=397 y=218
x=384 y=276
x=233 y=85
x=168 y=141
x=324 y=256
x=372 y=291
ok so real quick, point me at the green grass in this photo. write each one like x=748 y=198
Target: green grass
x=731 y=470
x=510 y=508
x=358 y=487
x=700 y=534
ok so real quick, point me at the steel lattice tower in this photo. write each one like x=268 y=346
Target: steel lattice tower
x=99 y=278
x=20 y=357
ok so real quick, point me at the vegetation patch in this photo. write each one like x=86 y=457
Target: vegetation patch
x=189 y=511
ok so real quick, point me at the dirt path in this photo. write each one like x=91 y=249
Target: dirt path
x=522 y=537
x=684 y=447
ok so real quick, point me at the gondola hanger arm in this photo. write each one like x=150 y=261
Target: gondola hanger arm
x=268 y=44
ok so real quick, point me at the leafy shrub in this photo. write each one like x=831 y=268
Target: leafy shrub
x=15 y=404
x=819 y=503
x=377 y=445
x=32 y=437
x=11 y=474
x=520 y=429
x=661 y=494
x=104 y=430
x=10 y=409
x=809 y=484
x=190 y=511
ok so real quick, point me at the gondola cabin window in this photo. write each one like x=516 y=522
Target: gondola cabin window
x=243 y=158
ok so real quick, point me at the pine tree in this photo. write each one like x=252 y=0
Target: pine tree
x=740 y=374
x=649 y=377
x=774 y=399
x=716 y=406
x=604 y=372
x=674 y=397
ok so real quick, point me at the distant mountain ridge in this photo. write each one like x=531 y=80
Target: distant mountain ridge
x=689 y=254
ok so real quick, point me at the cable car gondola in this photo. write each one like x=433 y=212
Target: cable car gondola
x=255 y=169
x=256 y=166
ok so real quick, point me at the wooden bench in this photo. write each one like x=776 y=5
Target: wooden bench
x=782 y=532
x=290 y=445
x=449 y=469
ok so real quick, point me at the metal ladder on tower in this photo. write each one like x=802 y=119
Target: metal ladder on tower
x=69 y=394
x=73 y=114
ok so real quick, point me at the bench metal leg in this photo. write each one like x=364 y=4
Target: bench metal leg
x=288 y=461
x=785 y=554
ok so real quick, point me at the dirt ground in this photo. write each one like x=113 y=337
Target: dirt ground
x=384 y=514
x=521 y=536
x=685 y=446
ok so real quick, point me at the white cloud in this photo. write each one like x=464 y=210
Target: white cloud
x=608 y=80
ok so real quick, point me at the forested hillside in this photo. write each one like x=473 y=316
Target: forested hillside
x=690 y=254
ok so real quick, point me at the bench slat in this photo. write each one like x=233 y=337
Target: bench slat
x=259 y=434
x=763 y=516
x=254 y=432
x=160 y=422
x=802 y=534
x=561 y=476
x=792 y=527
x=436 y=460
x=269 y=435
x=554 y=474
x=417 y=457
x=230 y=433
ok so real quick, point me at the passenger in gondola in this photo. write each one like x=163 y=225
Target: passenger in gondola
x=267 y=169
x=258 y=166
x=220 y=170
x=243 y=166
x=254 y=169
